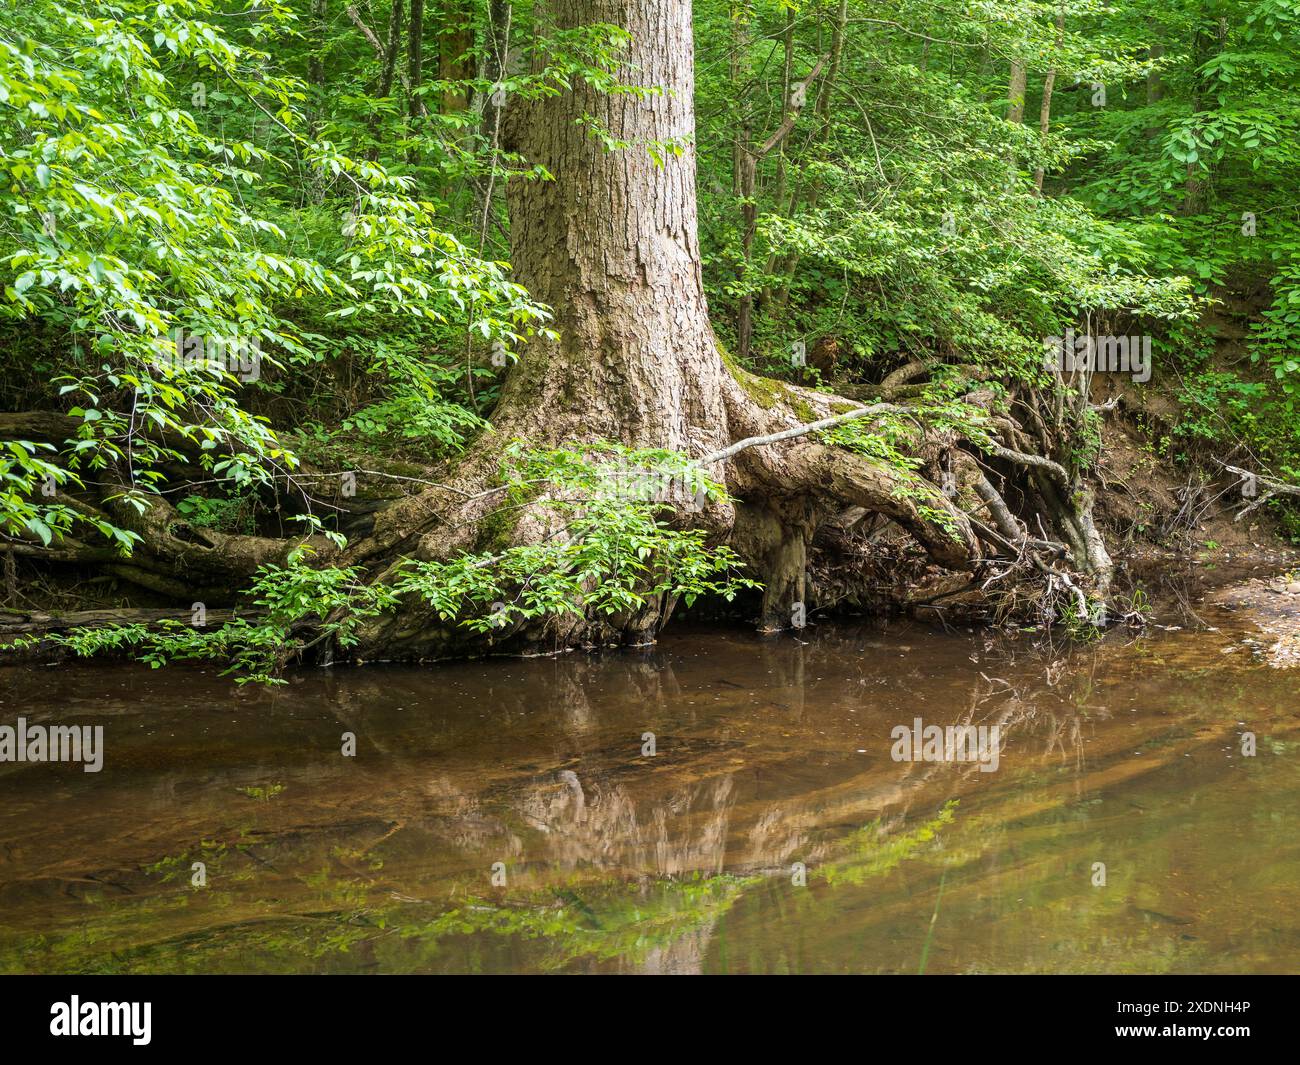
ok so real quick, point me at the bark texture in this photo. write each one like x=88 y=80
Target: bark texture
x=611 y=245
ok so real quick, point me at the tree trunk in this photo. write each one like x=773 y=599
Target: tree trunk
x=415 y=60
x=1210 y=37
x=1016 y=100
x=1045 y=109
x=1016 y=93
x=319 y=26
x=386 y=52
x=494 y=65
x=1155 y=81
x=826 y=92
x=491 y=104
x=611 y=245
x=455 y=39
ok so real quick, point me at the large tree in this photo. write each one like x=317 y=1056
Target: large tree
x=611 y=245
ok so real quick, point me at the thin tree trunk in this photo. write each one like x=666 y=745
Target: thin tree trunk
x=1204 y=45
x=386 y=51
x=1045 y=110
x=1155 y=81
x=744 y=169
x=495 y=64
x=1016 y=101
x=455 y=39
x=778 y=198
x=316 y=65
x=415 y=60
x=1016 y=93
x=825 y=93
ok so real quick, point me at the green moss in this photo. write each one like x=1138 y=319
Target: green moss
x=765 y=391
x=495 y=530
x=762 y=390
x=803 y=408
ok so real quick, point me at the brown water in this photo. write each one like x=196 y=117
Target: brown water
x=768 y=753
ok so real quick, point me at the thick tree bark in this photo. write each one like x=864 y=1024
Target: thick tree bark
x=611 y=245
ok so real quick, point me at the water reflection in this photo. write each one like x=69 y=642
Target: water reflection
x=770 y=831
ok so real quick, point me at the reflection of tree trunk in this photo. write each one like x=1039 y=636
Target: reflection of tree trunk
x=679 y=846
x=786 y=661
x=684 y=956
x=579 y=717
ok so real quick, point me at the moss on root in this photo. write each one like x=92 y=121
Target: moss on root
x=767 y=392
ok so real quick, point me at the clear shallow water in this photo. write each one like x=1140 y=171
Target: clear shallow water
x=768 y=753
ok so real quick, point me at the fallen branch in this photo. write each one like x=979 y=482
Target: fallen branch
x=1273 y=488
